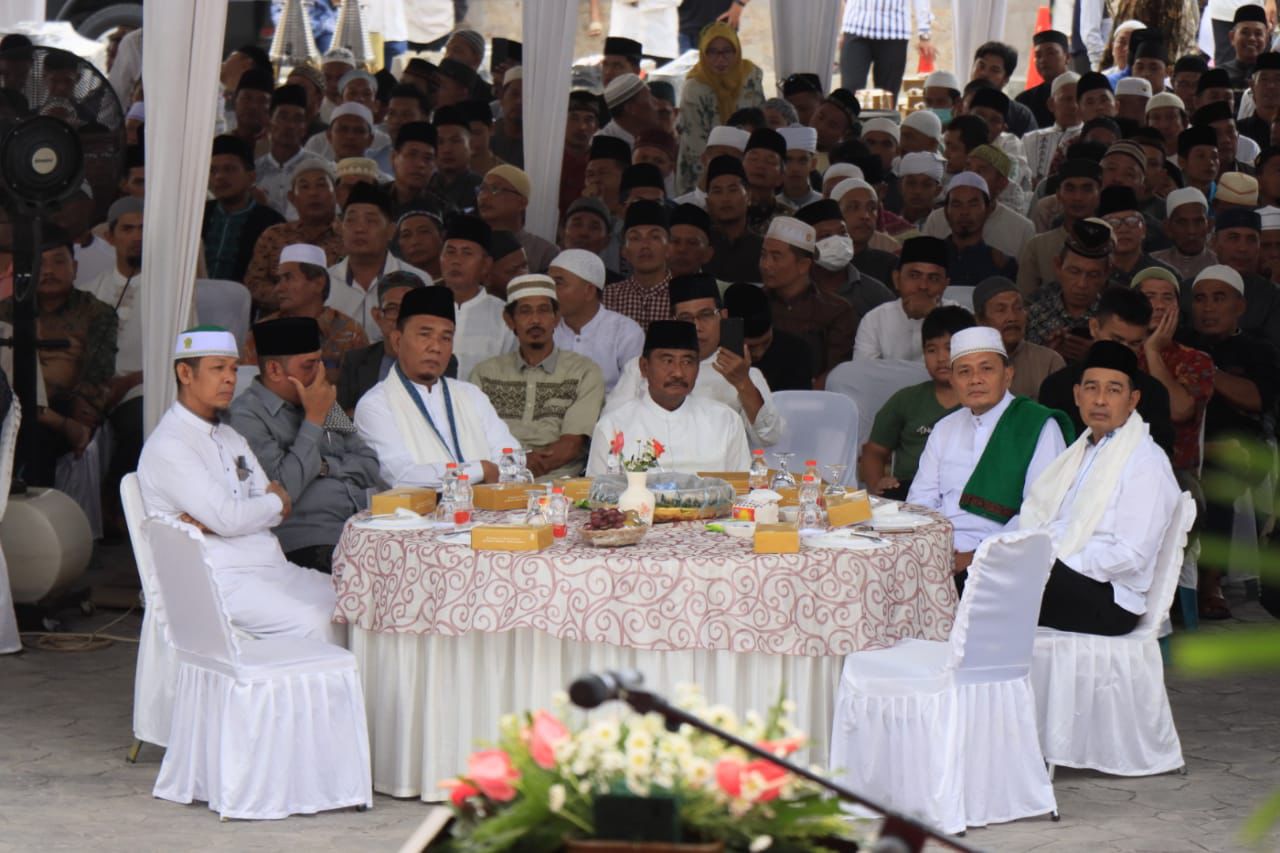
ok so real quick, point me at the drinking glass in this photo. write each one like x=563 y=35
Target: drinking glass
x=535 y=512
x=783 y=478
x=835 y=474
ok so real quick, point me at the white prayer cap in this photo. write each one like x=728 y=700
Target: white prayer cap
x=1270 y=217
x=137 y=111
x=1066 y=78
x=339 y=54
x=921 y=163
x=1165 y=99
x=357 y=74
x=800 y=138
x=1125 y=27
x=513 y=74
x=621 y=89
x=1134 y=86
x=311 y=164
x=841 y=170
x=1186 y=195
x=882 y=125
x=351 y=108
x=303 y=253
x=1222 y=273
x=944 y=80
x=525 y=286
x=976 y=339
x=730 y=137
x=205 y=340
x=585 y=265
x=969 y=179
x=793 y=232
x=848 y=185
x=926 y=122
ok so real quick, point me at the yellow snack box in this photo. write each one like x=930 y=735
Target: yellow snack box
x=852 y=508
x=501 y=496
x=421 y=501
x=511 y=537
x=777 y=539
x=576 y=488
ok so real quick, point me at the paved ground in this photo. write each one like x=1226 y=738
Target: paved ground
x=64 y=784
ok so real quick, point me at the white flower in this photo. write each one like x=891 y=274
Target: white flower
x=605 y=734
x=760 y=843
x=697 y=772
x=788 y=706
x=723 y=716
x=639 y=740
x=555 y=799
x=638 y=785
x=507 y=721
x=639 y=761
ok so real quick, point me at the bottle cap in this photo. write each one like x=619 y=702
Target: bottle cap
x=451 y=465
x=506 y=450
x=808 y=478
x=809 y=462
x=758 y=452
x=468 y=477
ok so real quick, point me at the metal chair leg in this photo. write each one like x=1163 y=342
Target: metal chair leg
x=132 y=755
x=1051 y=768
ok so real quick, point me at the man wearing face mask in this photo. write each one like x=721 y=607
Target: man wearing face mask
x=833 y=270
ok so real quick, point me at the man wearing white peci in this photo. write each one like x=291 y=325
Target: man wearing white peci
x=1106 y=501
x=197 y=469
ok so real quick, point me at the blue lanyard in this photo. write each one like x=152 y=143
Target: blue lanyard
x=456 y=450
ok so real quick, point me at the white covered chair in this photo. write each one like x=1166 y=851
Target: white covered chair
x=156 y=671
x=224 y=303
x=1101 y=701
x=820 y=425
x=262 y=728
x=870 y=382
x=948 y=729
x=959 y=295
x=10 y=639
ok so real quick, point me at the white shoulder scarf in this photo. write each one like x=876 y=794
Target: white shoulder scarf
x=421 y=440
x=1050 y=489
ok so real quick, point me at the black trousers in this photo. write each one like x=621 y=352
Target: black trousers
x=1073 y=602
x=318 y=557
x=885 y=58
x=1222 y=50
x=126 y=430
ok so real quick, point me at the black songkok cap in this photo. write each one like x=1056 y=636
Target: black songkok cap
x=686 y=288
x=289 y=95
x=1269 y=61
x=641 y=175
x=476 y=111
x=1192 y=63
x=1193 y=136
x=819 y=211
x=768 y=139
x=287 y=336
x=663 y=91
x=610 y=148
x=798 y=84
x=236 y=147
x=450 y=115
x=1147 y=44
x=667 y=334
x=923 y=250
x=992 y=99
x=257 y=79
x=619 y=46
x=470 y=228
x=1238 y=217
x=645 y=212
x=416 y=131
x=459 y=72
x=1209 y=113
x=1250 y=12
x=1214 y=78
x=691 y=214
x=1052 y=37
x=1112 y=356
x=751 y=304
x=1090 y=239
x=1117 y=198
x=1092 y=80
x=420 y=67
x=367 y=193
x=503 y=243
x=725 y=165
x=436 y=301
x=1078 y=167
x=847 y=101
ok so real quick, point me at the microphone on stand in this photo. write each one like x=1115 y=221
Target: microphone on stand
x=592 y=690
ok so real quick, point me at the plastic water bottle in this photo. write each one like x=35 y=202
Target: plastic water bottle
x=449 y=481
x=507 y=466
x=811 y=467
x=462 y=500
x=810 y=512
x=559 y=512
x=758 y=473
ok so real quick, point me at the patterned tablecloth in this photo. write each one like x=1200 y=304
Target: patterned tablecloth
x=680 y=588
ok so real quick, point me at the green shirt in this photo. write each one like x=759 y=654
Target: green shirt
x=903 y=425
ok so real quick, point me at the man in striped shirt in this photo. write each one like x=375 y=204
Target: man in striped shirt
x=874 y=35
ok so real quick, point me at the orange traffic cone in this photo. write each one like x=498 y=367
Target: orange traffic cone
x=1044 y=21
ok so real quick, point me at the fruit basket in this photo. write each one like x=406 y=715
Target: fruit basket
x=677 y=497
x=609 y=528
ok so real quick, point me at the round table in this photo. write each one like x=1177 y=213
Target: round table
x=449 y=639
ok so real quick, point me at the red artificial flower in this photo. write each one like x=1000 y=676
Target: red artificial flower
x=658 y=449
x=545 y=735
x=615 y=446
x=493 y=774
x=459 y=791
x=783 y=747
x=730 y=774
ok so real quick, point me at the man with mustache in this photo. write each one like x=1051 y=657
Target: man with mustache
x=998 y=303
x=548 y=397
x=696 y=434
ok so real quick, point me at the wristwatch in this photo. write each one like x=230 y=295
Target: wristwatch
x=324 y=467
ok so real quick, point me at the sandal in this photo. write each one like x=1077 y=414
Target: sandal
x=1214 y=608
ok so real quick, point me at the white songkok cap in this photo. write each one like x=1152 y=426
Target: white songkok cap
x=339 y=54
x=303 y=253
x=943 y=79
x=137 y=111
x=800 y=138
x=1270 y=217
x=926 y=122
x=1222 y=273
x=730 y=137
x=513 y=74
x=205 y=340
x=1186 y=195
x=849 y=184
x=621 y=89
x=1066 y=78
x=976 y=339
x=351 y=108
x=585 y=265
x=882 y=125
x=357 y=74
x=523 y=286
x=969 y=179
x=792 y=231
x=921 y=163
x=1134 y=86
x=1165 y=99
x=841 y=170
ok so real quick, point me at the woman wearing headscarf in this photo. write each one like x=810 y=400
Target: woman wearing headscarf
x=720 y=84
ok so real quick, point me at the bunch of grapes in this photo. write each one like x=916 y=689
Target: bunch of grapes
x=606 y=519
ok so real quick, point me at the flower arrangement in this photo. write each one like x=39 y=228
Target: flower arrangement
x=646 y=456
x=537 y=787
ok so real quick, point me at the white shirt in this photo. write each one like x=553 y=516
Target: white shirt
x=950 y=457
x=481 y=332
x=887 y=332
x=609 y=339
x=1039 y=146
x=357 y=302
x=379 y=152
x=617 y=131
x=711 y=385
x=377 y=426
x=1126 y=542
x=694 y=196
x=1006 y=231
x=653 y=23
x=93 y=260
x=701 y=435
x=273 y=179
x=124 y=295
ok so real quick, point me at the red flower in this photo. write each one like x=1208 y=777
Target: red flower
x=545 y=735
x=615 y=446
x=658 y=449
x=492 y=773
x=783 y=747
x=459 y=791
x=732 y=773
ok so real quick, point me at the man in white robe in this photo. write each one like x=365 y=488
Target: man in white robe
x=465 y=262
x=606 y=337
x=198 y=470
x=696 y=434
x=416 y=420
x=892 y=330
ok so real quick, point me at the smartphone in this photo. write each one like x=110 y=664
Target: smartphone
x=732 y=336
x=499 y=52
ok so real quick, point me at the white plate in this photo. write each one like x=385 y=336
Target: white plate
x=459 y=537
x=415 y=522
x=843 y=541
x=888 y=522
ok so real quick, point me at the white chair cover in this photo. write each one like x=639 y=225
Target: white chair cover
x=819 y=425
x=870 y=383
x=224 y=303
x=948 y=729
x=262 y=729
x=156 y=672
x=1101 y=701
x=10 y=640
x=962 y=296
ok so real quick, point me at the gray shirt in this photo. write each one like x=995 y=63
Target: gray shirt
x=291 y=449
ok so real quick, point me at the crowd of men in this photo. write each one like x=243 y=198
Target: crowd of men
x=1092 y=258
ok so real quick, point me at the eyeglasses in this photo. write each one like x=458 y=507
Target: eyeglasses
x=1131 y=221
x=721 y=52
x=704 y=316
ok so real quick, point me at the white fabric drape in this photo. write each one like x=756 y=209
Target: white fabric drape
x=550 y=25
x=181 y=73
x=804 y=38
x=975 y=22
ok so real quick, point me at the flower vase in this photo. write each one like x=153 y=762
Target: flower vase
x=637 y=498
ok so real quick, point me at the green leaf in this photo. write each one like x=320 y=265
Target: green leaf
x=1210 y=654
x=1261 y=822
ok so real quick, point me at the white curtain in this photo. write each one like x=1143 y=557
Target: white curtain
x=804 y=37
x=976 y=21
x=549 y=27
x=180 y=64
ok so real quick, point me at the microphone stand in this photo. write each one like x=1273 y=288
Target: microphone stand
x=899 y=832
